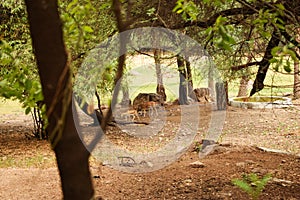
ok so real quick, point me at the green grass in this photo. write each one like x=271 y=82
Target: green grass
x=24 y=162
x=10 y=106
x=272 y=78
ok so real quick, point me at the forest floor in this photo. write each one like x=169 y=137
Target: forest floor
x=28 y=169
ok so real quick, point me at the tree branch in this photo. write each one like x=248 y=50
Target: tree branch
x=239 y=67
x=212 y=19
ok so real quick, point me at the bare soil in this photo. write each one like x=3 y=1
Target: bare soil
x=28 y=169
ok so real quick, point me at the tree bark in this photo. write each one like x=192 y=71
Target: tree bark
x=182 y=84
x=125 y=98
x=160 y=89
x=221 y=96
x=52 y=61
x=296 y=80
x=189 y=75
x=264 y=64
x=243 y=89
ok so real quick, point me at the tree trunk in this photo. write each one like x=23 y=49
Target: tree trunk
x=182 y=84
x=221 y=96
x=258 y=84
x=160 y=89
x=211 y=82
x=243 y=89
x=189 y=75
x=125 y=99
x=296 y=80
x=72 y=156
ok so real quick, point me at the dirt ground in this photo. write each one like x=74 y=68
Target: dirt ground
x=28 y=170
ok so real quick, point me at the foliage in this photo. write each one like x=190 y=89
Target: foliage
x=239 y=31
x=19 y=81
x=221 y=34
x=86 y=24
x=18 y=74
x=252 y=184
x=187 y=9
x=197 y=147
x=84 y=27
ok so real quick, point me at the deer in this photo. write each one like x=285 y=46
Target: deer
x=130 y=114
x=151 y=106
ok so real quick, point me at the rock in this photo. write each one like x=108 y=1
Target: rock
x=197 y=164
x=208 y=150
x=206 y=142
x=282 y=182
x=273 y=150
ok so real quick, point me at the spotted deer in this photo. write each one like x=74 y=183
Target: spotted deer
x=130 y=115
x=150 y=106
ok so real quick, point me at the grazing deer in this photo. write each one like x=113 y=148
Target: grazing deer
x=149 y=106
x=130 y=114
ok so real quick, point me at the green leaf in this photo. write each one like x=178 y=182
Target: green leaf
x=151 y=11
x=243 y=185
x=28 y=84
x=276 y=68
x=73 y=3
x=3 y=83
x=88 y=29
x=275 y=50
x=280 y=6
x=287 y=67
x=27 y=110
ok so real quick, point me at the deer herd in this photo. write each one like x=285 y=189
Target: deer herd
x=144 y=109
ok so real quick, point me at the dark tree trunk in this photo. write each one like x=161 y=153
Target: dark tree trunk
x=296 y=80
x=72 y=156
x=182 y=84
x=258 y=84
x=98 y=112
x=160 y=89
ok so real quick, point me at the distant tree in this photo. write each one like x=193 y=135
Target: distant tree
x=296 y=80
x=160 y=89
x=183 y=83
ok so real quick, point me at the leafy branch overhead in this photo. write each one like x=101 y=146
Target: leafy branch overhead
x=235 y=29
x=274 y=24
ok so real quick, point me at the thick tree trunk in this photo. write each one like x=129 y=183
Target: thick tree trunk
x=72 y=156
x=243 y=89
x=160 y=89
x=296 y=81
x=221 y=96
x=182 y=84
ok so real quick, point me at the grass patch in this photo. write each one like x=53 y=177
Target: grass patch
x=8 y=106
x=40 y=161
x=272 y=79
